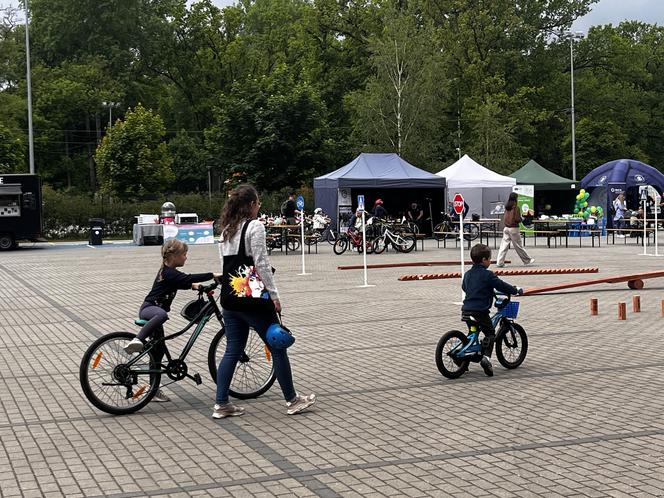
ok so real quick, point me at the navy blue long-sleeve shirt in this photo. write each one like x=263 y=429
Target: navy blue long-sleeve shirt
x=479 y=284
x=168 y=281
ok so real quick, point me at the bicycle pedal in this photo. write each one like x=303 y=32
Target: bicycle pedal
x=197 y=379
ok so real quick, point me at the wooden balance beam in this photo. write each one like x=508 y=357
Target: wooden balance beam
x=634 y=281
x=532 y=271
x=416 y=263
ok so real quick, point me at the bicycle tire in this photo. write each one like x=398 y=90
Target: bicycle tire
x=331 y=236
x=293 y=243
x=511 y=344
x=404 y=243
x=448 y=366
x=470 y=231
x=252 y=377
x=442 y=227
x=104 y=362
x=340 y=246
x=379 y=245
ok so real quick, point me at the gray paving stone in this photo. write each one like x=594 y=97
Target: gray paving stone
x=582 y=415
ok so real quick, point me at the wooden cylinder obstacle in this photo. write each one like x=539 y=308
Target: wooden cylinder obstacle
x=622 y=311
x=636 y=304
x=593 y=306
x=635 y=284
x=662 y=307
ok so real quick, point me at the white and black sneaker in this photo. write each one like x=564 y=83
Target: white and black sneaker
x=135 y=346
x=300 y=403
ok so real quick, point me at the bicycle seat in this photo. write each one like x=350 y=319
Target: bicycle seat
x=140 y=322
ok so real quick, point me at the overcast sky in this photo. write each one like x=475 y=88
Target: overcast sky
x=603 y=12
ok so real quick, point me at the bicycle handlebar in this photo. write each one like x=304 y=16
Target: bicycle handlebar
x=207 y=289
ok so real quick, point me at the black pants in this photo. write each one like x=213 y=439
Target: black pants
x=484 y=323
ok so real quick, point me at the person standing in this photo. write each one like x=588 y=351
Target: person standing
x=619 y=208
x=511 y=233
x=379 y=210
x=289 y=209
x=243 y=235
x=415 y=214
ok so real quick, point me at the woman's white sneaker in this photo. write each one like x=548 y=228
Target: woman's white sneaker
x=300 y=403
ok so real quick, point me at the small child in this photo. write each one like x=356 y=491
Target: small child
x=157 y=303
x=479 y=284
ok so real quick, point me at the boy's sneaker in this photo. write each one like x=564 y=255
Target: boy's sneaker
x=161 y=397
x=485 y=363
x=229 y=410
x=135 y=346
x=300 y=403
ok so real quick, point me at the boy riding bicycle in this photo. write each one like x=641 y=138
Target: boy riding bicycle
x=479 y=284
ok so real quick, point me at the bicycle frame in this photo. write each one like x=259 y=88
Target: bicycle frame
x=203 y=317
x=473 y=345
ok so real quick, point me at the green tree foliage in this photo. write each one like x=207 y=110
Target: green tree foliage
x=133 y=159
x=272 y=130
x=279 y=91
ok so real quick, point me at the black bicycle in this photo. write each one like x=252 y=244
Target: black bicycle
x=119 y=383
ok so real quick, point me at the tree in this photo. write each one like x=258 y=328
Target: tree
x=271 y=129
x=133 y=159
x=398 y=108
x=12 y=157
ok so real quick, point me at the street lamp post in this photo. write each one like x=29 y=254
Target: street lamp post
x=31 y=140
x=577 y=35
x=110 y=106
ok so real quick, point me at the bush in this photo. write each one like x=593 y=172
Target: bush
x=67 y=216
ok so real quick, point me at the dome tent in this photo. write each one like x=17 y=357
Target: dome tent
x=610 y=179
x=481 y=188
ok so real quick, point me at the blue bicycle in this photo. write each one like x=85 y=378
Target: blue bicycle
x=456 y=350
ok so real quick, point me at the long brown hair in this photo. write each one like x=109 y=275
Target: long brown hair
x=511 y=202
x=237 y=209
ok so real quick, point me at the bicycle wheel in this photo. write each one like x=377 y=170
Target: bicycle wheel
x=340 y=246
x=470 y=231
x=293 y=243
x=447 y=365
x=404 y=243
x=330 y=236
x=109 y=384
x=254 y=373
x=379 y=245
x=511 y=344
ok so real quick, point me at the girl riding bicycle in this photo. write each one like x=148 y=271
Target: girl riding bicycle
x=168 y=281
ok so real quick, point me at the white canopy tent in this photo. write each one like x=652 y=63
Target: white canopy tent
x=482 y=189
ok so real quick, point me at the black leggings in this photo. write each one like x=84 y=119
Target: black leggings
x=156 y=318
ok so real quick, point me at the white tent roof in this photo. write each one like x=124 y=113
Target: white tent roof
x=466 y=173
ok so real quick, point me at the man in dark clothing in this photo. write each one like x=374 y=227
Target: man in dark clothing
x=289 y=209
x=415 y=214
x=479 y=284
x=379 y=211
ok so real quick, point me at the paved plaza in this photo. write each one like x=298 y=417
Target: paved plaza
x=583 y=416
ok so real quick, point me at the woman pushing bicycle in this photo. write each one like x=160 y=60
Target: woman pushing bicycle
x=249 y=299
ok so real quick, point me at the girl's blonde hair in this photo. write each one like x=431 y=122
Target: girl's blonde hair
x=172 y=247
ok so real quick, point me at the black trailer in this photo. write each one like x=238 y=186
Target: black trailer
x=20 y=210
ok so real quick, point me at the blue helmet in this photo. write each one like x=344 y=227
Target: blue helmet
x=279 y=337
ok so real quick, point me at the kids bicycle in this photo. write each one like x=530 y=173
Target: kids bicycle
x=119 y=383
x=456 y=350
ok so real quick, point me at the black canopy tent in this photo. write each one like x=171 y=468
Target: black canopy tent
x=379 y=176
